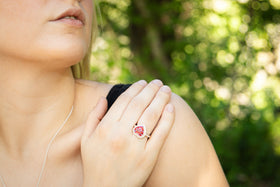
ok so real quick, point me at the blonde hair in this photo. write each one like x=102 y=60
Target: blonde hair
x=82 y=69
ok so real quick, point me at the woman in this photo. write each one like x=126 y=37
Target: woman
x=54 y=129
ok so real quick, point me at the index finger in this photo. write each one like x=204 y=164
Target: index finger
x=116 y=111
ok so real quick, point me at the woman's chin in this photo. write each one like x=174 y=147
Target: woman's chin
x=63 y=56
x=60 y=49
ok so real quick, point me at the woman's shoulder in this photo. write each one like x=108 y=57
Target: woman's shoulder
x=187 y=157
x=87 y=94
x=94 y=87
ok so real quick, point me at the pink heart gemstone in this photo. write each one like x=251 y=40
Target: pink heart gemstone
x=139 y=131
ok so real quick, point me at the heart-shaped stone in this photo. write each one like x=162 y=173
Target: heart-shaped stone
x=139 y=131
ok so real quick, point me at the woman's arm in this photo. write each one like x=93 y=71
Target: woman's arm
x=188 y=157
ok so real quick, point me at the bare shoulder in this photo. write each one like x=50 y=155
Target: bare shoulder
x=188 y=157
x=99 y=88
x=87 y=95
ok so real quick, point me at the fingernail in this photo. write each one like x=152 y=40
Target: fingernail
x=169 y=108
x=165 y=89
x=142 y=82
x=157 y=82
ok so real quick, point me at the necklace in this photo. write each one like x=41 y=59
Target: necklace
x=47 y=151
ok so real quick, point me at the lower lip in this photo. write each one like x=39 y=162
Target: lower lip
x=71 y=22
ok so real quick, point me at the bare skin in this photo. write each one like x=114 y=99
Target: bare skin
x=37 y=91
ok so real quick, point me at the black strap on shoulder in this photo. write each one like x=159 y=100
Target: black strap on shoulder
x=115 y=92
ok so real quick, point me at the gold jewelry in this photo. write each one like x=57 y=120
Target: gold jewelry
x=47 y=151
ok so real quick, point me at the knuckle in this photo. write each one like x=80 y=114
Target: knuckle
x=152 y=114
x=162 y=97
x=166 y=117
x=136 y=102
x=154 y=87
x=168 y=113
x=116 y=139
x=102 y=132
x=126 y=95
x=118 y=143
x=140 y=84
x=132 y=90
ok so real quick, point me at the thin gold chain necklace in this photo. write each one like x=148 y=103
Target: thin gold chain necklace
x=47 y=151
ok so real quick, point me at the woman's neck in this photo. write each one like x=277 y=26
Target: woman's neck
x=33 y=103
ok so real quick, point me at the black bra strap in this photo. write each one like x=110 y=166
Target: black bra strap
x=115 y=92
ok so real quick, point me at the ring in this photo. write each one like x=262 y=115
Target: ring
x=140 y=131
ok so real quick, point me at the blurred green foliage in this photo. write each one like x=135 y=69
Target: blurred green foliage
x=221 y=56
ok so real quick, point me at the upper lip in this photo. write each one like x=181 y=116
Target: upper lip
x=76 y=12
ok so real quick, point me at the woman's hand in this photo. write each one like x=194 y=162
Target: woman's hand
x=112 y=155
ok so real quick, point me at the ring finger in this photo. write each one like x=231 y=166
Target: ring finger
x=152 y=114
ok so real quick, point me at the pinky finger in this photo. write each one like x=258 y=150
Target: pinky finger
x=161 y=131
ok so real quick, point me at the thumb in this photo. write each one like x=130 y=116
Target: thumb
x=95 y=117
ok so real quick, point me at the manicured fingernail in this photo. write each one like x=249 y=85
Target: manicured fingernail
x=157 y=82
x=169 y=108
x=142 y=82
x=165 y=89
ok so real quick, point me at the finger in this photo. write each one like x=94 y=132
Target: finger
x=140 y=102
x=152 y=114
x=121 y=103
x=95 y=117
x=156 y=141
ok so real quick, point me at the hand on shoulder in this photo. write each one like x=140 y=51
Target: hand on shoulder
x=113 y=152
x=187 y=157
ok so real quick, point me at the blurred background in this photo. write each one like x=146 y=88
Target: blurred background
x=221 y=56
